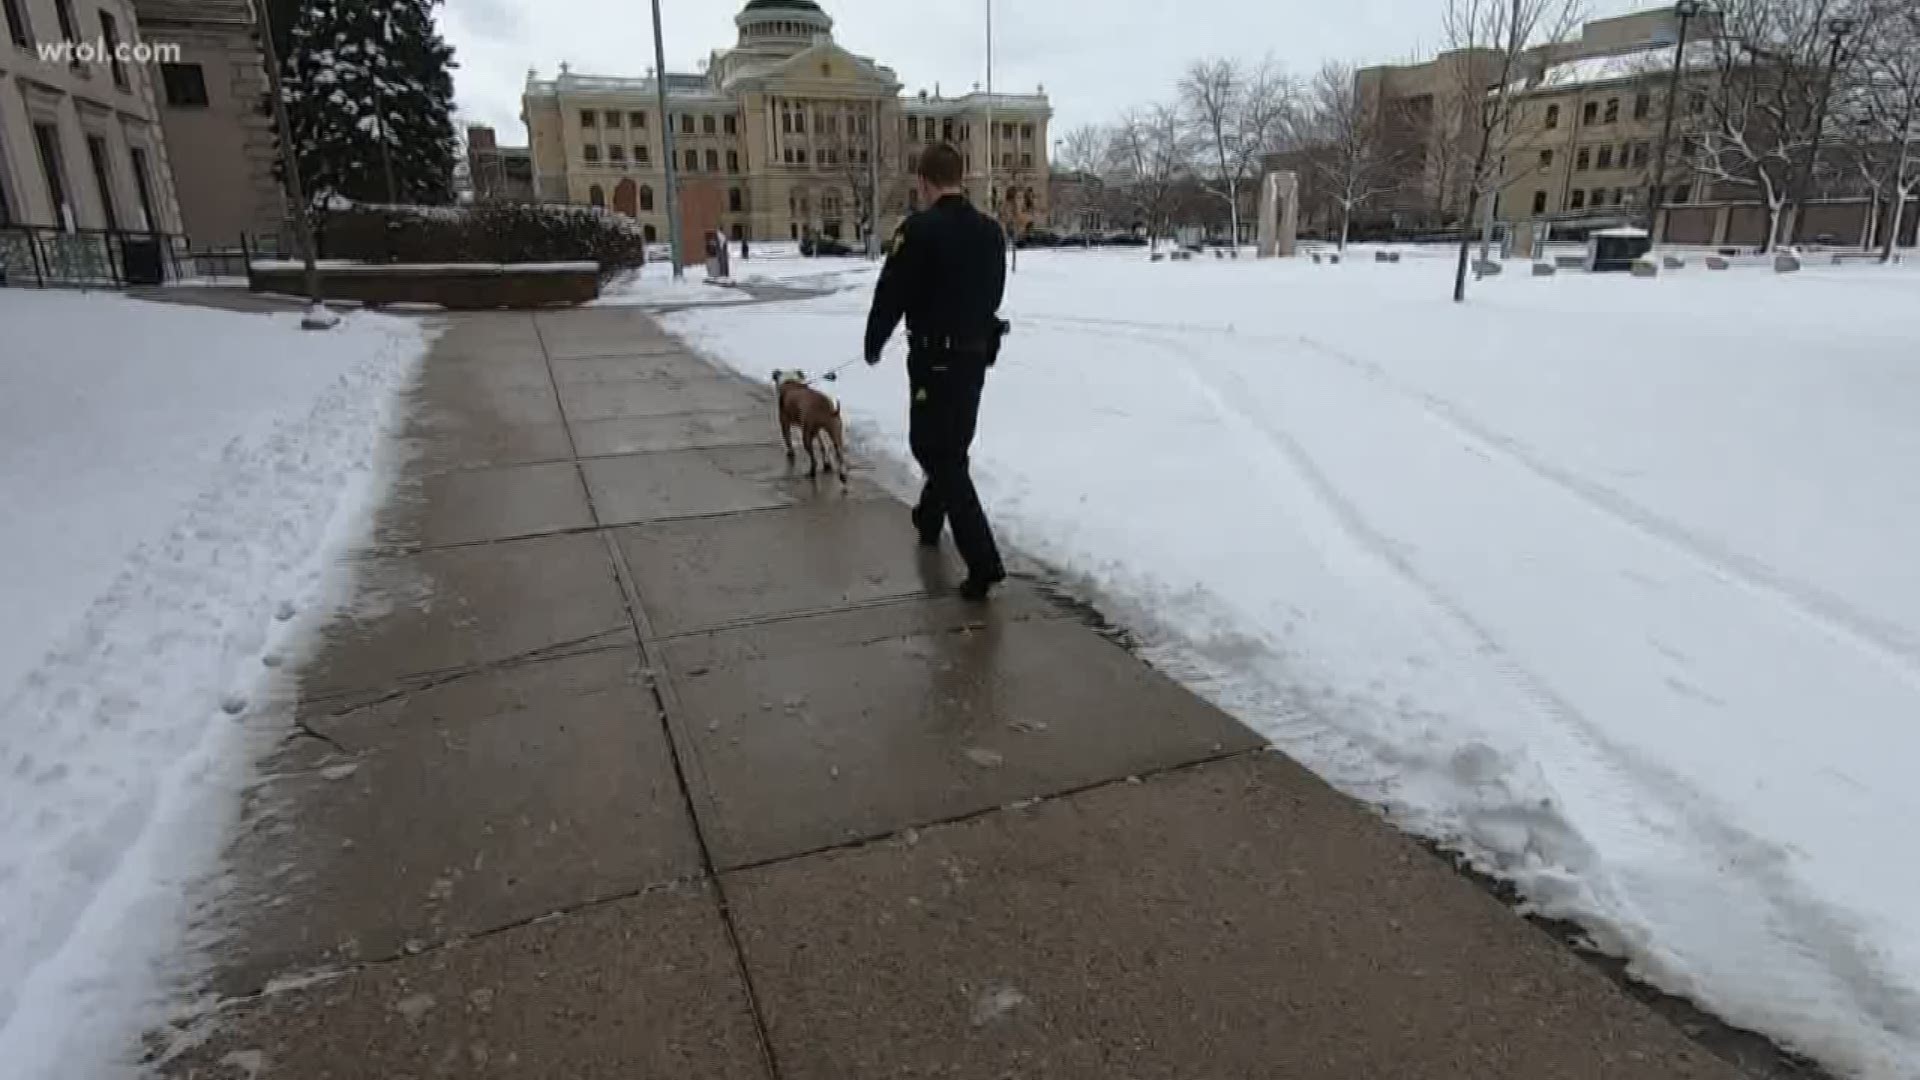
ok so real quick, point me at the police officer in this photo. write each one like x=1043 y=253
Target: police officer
x=946 y=274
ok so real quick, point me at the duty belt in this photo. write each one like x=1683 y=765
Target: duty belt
x=949 y=343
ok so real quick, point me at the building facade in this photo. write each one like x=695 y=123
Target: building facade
x=81 y=146
x=495 y=173
x=219 y=136
x=788 y=133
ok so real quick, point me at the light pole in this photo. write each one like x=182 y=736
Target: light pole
x=317 y=317
x=666 y=141
x=1686 y=11
x=1837 y=28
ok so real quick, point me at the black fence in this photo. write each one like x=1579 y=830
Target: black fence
x=35 y=256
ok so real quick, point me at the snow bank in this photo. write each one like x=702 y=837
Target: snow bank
x=1605 y=582
x=654 y=285
x=180 y=481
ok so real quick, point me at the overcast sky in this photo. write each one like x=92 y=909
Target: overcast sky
x=1095 y=58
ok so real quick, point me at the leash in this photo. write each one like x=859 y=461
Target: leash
x=834 y=375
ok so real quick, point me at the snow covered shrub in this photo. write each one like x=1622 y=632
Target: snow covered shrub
x=483 y=234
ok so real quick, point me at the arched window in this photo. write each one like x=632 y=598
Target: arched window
x=650 y=233
x=595 y=196
x=646 y=197
x=735 y=201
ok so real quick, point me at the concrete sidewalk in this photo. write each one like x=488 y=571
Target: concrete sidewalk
x=640 y=756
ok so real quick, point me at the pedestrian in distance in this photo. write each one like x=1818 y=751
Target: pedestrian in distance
x=945 y=276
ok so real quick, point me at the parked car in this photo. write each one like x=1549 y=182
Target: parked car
x=818 y=246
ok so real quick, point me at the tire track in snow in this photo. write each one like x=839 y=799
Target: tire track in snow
x=1836 y=618
x=1825 y=940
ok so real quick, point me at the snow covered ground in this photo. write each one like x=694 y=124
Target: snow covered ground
x=177 y=482
x=1608 y=582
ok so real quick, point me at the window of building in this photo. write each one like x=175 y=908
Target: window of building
x=646 y=197
x=1579 y=199
x=17 y=28
x=713 y=161
x=800 y=122
x=735 y=201
x=1546 y=160
x=946 y=131
x=589 y=118
x=693 y=161
x=1026 y=159
x=1553 y=117
x=1598 y=198
x=733 y=161
x=707 y=125
x=143 y=187
x=1539 y=202
x=642 y=156
x=913 y=127
x=591 y=152
x=732 y=126
x=98 y=157
x=1622 y=197
x=1642 y=105
x=686 y=123
x=1613 y=110
x=800 y=155
x=1026 y=131
x=613 y=118
x=1006 y=161
x=1582 y=160
x=651 y=234
x=46 y=141
x=793 y=230
x=63 y=11
x=110 y=36
x=1640 y=155
x=637 y=121
x=1680 y=194
x=1590 y=112
x=786 y=155
x=738 y=232
x=185 y=84
x=596 y=197
x=617 y=154
x=1605 y=158
x=786 y=122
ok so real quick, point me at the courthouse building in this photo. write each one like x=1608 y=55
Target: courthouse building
x=783 y=135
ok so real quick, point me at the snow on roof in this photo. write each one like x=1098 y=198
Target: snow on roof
x=974 y=100
x=1622 y=230
x=1613 y=67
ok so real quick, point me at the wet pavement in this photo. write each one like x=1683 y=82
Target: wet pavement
x=639 y=754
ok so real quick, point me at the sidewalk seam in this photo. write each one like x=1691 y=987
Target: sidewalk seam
x=667 y=702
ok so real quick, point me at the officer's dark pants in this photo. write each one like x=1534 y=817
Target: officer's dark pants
x=945 y=406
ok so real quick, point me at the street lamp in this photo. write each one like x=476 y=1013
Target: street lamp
x=1686 y=11
x=666 y=142
x=317 y=316
x=1838 y=29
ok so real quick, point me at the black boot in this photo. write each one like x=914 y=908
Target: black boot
x=928 y=527
x=977 y=586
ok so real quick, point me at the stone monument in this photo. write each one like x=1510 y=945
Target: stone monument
x=1279 y=215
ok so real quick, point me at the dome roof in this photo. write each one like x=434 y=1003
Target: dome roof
x=765 y=5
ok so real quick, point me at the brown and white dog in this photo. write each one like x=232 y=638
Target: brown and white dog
x=818 y=418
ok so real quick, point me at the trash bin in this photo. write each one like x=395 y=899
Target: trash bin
x=1614 y=250
x=140 y=262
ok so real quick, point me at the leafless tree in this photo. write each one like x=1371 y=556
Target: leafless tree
x=1084 y=149
x=1491 y=45
x=1885 y=105
x=1234 y=116
x=1148 y=158
x=1772 y=69
x=1352 y=160
x=858 y=164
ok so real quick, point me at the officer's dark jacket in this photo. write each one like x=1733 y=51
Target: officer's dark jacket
x=946 y=275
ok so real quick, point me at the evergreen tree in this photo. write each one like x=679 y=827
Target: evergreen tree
x=369 y=89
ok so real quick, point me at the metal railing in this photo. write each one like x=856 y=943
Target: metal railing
x=37 y=256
